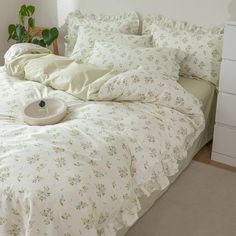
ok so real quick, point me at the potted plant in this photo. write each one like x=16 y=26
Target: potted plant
x=23 y=32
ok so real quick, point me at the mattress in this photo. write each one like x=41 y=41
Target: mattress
x=206 y=93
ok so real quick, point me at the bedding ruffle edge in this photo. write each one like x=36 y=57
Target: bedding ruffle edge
x=163 y=21
x=156 y=182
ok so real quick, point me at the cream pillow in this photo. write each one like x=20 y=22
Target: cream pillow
x=87 y=37
x=126 y=24
x=123 y=58
x=203 y=46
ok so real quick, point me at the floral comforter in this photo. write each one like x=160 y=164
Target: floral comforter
x=85 y=175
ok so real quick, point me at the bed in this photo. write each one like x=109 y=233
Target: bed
x=132 y=125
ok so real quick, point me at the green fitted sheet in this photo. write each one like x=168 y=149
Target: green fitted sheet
x=201 y=89
x=206 y=93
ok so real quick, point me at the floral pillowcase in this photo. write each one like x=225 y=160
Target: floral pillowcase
x=87 y=37
x=126 y=24
x=203 y=46
x=123 y=58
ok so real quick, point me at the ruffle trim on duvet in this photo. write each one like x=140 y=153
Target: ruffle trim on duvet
x=129 y=215
x=163 y=21
x=102 y=17
x=126 y=217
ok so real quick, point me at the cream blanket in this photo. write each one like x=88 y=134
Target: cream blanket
x=85 y=175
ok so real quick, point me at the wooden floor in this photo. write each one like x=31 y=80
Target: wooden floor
x=204 y=156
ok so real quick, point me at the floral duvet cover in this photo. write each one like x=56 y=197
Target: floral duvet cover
x=85 y=175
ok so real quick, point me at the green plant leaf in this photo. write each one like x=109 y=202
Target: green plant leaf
x=49 y=35
x=11 y=29
x=23 y=9
x=31 y=9
x=23 y=13
x=42 y=43
x=12 y=32
x=20 y=33
x=35 y=41
x=39 y=42
x=20 y=30
x=46 y=36
x=31 y=22
x=25 y=38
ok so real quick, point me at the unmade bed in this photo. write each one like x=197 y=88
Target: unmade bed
x=203 y=90
x=133 y=124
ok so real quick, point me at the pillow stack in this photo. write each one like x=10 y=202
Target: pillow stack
x=165 y=45
x=112 y=41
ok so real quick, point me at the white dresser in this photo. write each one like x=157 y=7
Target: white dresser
x=224 y=142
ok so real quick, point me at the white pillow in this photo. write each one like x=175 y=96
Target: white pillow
x=123 y=58
x=127 y=24
x=87 y=37
x=203 y=46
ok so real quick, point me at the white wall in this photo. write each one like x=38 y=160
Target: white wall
x=64 y=8
x=204 y=12
x=46 y=12
x=8 y=15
